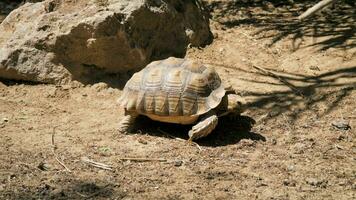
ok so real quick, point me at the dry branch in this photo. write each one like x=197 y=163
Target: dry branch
x=145 y=159
x=315 y=9
x=180 y=139
x=96 y=164
x=292 y=87
x=54 y=151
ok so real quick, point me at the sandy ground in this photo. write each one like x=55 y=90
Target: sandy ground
x=298 y=78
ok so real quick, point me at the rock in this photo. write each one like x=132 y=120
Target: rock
x=290 y=183
x=315 y=68
x=100 y=86
x=317 y=183
x=5 y=119
x=341 y=124
x=55 y=41
x=273 y=141
x=178 y=163
x=291 y=168
x=44 y=166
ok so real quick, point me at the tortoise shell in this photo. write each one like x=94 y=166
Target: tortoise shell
x=173 y=87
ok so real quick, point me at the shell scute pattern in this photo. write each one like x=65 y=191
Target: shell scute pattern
x=173 y=87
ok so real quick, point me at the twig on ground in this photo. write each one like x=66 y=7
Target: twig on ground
x=311 y=11
x=96 y=164
x=54 y=151
x=296 y=90
x=180 y=139
x=144 y=159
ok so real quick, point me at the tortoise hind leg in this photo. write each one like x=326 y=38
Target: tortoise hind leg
x=127 y=122
x=206 y=125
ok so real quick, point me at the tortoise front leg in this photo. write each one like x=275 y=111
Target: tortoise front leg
x=127 y=122
x=206 y=125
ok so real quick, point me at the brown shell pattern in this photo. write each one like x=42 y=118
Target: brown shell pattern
x=173 y=87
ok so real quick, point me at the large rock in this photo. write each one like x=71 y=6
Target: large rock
x=59 y=40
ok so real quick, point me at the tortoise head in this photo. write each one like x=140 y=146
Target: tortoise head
x=231 y=103
x=235 y=104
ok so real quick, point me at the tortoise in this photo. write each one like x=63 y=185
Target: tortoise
x=180 y=91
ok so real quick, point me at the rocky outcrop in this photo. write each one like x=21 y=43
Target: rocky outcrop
x=55 y=41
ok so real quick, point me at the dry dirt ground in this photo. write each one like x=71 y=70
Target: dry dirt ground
x=299 y=80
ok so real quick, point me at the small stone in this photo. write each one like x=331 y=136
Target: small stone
x=291 y=168
x=274 y=141
x=111 y=90
x=274 y=112
x=142 y=141
x=339 y=147
x=178 y=163
x=44 y=166
x=51 y=92
x=66 y=87
x=247 y=143
x=341 y=124
x=5 y=119
x=316 y=182
x=353 y=186
x=76 y=84
x=100 y=86
x=290 y=183
x=299 y=148
x=314 y=68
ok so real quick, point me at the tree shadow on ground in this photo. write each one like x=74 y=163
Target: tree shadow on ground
x=230 y=130
x=70 y=190
x=333 y=27
x=329 y=88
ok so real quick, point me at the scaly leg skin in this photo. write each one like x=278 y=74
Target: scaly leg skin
x=127 y=123
x=204 y=127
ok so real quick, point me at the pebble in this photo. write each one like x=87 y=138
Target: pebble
x=178 y=163
x=291 y=183
x=341 y=124
x=291 y=168
x=66 y=87
x=353 y=186
x=314 y=68
x=142 y=141
x=44 y=166
x=100 y=86
x=273 y=141
x=317 y=182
